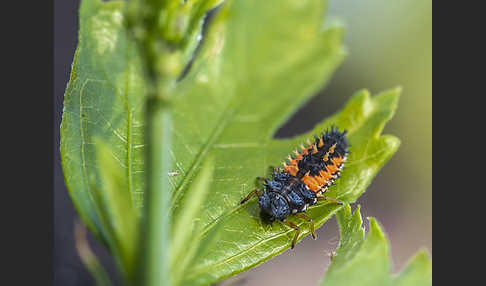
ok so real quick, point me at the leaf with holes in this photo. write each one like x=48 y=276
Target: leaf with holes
x=252 y=71
x=365 y=261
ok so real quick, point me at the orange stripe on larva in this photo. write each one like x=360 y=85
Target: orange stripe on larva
x=325 y=176
x=322 y=180
x=316 y=183
x=292 y=170
x=293 y=167
x=310 y=182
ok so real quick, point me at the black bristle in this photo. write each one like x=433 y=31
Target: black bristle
x=313 y=162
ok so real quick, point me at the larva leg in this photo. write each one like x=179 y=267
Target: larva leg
x=297 y=231
x=311 y=223
x=252 y=193
x=324 y=198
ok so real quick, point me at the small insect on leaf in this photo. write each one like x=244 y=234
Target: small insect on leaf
x=173 y=173
x=303 y=181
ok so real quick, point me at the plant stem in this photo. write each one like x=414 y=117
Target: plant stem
x=159 y=133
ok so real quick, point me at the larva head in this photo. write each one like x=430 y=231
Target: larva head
x=273 y=206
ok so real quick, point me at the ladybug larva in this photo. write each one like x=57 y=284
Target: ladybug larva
x=303 y=180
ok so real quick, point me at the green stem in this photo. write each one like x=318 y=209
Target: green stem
x=159 y=162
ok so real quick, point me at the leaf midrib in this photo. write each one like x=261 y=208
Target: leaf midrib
x=202 y=154
x=203 y=270
x=129 y=129
x=197 y=272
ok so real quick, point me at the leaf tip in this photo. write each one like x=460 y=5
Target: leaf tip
x=375 y=228
x=422 y=256
x=389 y=97
x=398 y=90
x=392 y=143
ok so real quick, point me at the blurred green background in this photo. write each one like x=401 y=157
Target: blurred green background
x=389 y=44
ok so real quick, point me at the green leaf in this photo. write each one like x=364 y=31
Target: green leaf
x=243 y=241
x=259 y=62
x=104 y=99
x=185 y=241
x=102 y=131
x=418 y=271
x=120 y=217
x=365 y=261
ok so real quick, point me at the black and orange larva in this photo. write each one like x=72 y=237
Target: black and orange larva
x=303 y=180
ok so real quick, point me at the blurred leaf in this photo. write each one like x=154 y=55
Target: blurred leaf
x=365 y=261
x=122 y=219
x=185 y=241
x=88 y=258
x=168 y=33
x=258 y=63
x=418 y=271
